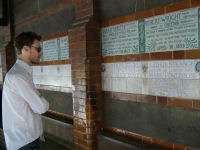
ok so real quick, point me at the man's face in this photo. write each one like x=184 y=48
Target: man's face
x=35 y=52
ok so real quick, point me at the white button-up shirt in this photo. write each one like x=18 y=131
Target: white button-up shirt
x=22 y=105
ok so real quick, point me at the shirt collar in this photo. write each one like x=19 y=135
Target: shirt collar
x=25 y=66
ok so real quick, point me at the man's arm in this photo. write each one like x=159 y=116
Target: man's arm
x=37 y=103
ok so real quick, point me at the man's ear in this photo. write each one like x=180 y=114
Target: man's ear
x=25 y=48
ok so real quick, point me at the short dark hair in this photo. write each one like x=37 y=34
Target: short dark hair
x=25 y=38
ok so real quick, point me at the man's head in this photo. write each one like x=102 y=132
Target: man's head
x=28 y=47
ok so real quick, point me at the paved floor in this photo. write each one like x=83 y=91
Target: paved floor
x=49 y=145
x=52 y=145
x=105 y=143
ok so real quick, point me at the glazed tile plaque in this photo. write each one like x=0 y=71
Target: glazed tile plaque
x=56 y=49
x=0 y=60
x=120 y=39
x=1 y=74
x=50 y=51
x=64 y=47
x=174 y=31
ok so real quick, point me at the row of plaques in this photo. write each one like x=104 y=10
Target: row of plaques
x=174 y=31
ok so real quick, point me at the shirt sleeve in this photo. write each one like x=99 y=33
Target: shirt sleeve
x=30 y=94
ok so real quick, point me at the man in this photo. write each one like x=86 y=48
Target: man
x=21 y=102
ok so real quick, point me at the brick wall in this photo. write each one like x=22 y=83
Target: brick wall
x=84 y=40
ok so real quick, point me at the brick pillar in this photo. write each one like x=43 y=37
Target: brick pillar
x=9 y=39
x=84 y=52
x=6 y=49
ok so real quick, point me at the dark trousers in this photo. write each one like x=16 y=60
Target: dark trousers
x=35 y=145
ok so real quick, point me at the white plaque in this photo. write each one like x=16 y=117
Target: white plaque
x=190 y=89
x=1 y=74
x=64 y=48
x=0 y=60
x=174 y=31
x=120 y=39
x=50 y=51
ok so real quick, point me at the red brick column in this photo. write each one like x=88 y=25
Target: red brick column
x=8 y=51
x=84 y=52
